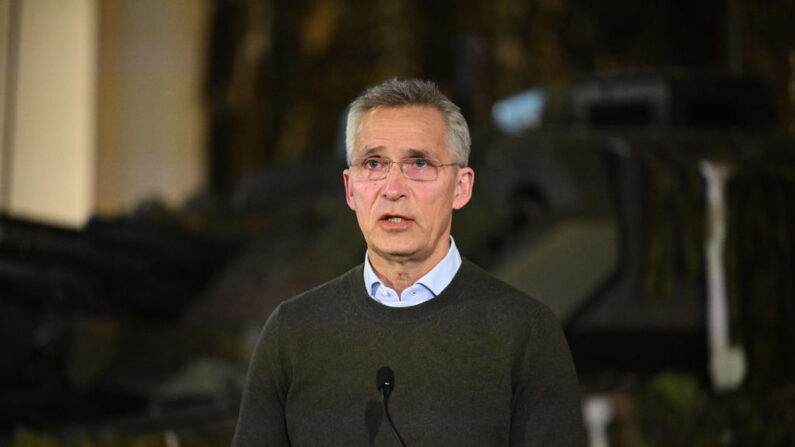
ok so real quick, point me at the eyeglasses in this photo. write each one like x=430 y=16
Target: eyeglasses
x=415 y=168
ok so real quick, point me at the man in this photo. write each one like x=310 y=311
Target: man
x=476 y=362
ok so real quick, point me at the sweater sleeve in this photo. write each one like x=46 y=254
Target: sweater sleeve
x=261 y=421
x=547 y=407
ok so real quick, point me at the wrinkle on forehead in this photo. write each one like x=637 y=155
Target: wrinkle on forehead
x=402 y=132
x=408 y=152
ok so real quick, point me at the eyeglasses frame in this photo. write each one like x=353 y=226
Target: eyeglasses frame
x=436 y=163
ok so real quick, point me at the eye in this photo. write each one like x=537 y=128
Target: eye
x=421 y=163
x=373 y=163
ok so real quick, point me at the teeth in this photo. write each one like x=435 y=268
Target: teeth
x=395 y=219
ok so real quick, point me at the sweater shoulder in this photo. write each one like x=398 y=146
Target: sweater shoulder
x=320 y=298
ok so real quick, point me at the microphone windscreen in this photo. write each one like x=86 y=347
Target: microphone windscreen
x=385 y=378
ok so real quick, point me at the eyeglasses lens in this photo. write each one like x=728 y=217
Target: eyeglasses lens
x=414 y=169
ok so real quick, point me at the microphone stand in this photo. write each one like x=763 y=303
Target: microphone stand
x=389 y=418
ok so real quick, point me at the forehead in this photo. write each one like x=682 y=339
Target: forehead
x=402 y=131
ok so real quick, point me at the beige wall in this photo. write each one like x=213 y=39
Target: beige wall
x=50 y=151
x=5 y=37
x=108 y=108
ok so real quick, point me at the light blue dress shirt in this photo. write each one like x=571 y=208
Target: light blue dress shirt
x=424 y=289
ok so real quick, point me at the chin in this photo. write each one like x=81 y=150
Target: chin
x=395 y=251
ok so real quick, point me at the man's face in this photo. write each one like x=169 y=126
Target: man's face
x=405 y=220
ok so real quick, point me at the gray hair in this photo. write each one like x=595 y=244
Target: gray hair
x=411 y=92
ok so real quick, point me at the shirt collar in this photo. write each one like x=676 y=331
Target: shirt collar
x=436 y=280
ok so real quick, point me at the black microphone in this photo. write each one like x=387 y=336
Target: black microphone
x=385 y=383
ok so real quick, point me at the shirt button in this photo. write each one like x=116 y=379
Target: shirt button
x=413 y=292
x=384 y=293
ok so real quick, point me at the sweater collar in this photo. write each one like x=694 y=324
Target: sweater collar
x=450 y=296
x=433 y=282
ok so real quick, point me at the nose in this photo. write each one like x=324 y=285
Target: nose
x=394 y=183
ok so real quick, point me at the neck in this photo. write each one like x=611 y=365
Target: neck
x=399 y=274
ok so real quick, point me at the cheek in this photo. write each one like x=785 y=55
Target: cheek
x=439 y=206
x=362 y=197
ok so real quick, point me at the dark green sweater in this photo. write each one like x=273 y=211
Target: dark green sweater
x=480 y=365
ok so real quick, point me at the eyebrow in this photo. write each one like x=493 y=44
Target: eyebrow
x=417 y=153
x=372 y=150
x=409 y=153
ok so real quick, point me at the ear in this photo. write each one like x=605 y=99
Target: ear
x=463 y=187
x=346 y=178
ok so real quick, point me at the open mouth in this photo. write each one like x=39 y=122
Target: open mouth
x=394 y=219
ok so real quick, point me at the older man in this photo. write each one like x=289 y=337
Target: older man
x=477 y=363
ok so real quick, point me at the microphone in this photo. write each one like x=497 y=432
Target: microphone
x=385 y=380
x=385 y=383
